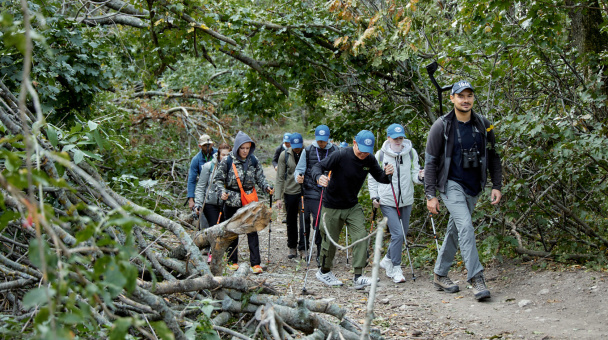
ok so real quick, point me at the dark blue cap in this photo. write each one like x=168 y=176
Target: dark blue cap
x=395 y=130
x=286 y=137
x=322 y=133
x=296 y=140
x=365 y=141
x=461 y=86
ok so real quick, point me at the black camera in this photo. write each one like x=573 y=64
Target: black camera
x=470 y=158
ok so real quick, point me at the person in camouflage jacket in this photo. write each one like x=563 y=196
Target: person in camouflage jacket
x=250 y=173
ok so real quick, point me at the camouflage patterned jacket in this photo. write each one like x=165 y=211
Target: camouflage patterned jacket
x=225 y=180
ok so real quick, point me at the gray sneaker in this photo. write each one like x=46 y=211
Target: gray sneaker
x=444 y=283
x=328 y=278
x=480 y=290
x=362 y=282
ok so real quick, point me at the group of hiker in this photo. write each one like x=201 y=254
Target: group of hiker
x=319 y=184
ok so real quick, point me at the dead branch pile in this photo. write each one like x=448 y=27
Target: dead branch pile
x=95 y=254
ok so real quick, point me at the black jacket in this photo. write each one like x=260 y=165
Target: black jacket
x=311 y=189
x=277 y=154
x=440 y=144
x=348 y=174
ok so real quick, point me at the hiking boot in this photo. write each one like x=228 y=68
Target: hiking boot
x=303 y=255
x=233 y=266
x=480 y=290
x=257 y=269
x=362 y=282
x=387 y=264
x=444 y=283
x=284 y=221
x=293 y=253
x=397 y=275
x=328 y=278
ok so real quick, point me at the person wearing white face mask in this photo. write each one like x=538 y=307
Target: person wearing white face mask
x=398 y=152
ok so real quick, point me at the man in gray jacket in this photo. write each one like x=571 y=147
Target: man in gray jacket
x=460 y=150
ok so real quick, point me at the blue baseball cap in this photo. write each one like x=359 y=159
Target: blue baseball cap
x=296 y=140
x=461 y=86
x=322 y=133
x=395 y=130
x=343 y=145
x=365 y=141
x=286 y=137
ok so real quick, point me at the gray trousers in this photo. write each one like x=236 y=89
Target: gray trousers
x=394 y=226
x=460 y=231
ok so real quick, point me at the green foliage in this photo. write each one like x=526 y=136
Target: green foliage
x=69 y=68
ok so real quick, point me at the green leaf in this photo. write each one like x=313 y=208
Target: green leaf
x=121 y=326
x=51 y=133
x=78 y=156
x=85 y=233
x=38 y=296
x=162 y=331
x=98 y=139
x=92 y=125
x=7 y=216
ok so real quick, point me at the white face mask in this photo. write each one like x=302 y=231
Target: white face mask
x=396 y=144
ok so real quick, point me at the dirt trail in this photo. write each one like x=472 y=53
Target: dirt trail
x=525 y=303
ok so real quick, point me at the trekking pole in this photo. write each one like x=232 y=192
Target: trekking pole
x=314 y=233
x=219 y=218
x=269 y=225
x=407 y=246
x=371 y=229
x=434 y=232
x=346 y=238
x=302 y=220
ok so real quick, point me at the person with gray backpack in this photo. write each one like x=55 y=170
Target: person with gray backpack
x=460 y=152
x=396 y=199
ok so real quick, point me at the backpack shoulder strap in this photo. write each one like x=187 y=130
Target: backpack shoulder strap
x=228 y=166
x=381 y=157
x=286 y=158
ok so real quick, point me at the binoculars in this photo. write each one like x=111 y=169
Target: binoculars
x=470 y=158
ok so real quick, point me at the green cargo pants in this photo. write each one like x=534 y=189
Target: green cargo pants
x=334 y=221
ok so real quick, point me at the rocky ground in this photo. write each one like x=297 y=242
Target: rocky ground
x=562 y=302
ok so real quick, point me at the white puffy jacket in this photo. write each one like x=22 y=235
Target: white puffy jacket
x=404 y=177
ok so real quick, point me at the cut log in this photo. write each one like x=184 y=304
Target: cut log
x=252 y=217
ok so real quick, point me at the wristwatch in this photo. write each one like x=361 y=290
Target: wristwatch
x=429 y=197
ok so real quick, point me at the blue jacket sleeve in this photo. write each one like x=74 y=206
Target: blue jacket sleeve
x=195 y=170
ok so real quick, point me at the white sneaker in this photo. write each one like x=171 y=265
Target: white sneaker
x=387 y=264
x=398 y=275
x=328 y=278
x=362 y=282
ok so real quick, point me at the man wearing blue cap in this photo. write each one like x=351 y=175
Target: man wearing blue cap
x=288 y=188
x=399 y=152
x=460 y=150
x=312 y=155
x=349 y=168
x=277 y=152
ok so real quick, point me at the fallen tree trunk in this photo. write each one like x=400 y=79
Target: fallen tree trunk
x=252 y=217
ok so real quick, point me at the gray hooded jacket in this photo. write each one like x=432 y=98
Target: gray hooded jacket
x=249 y=170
